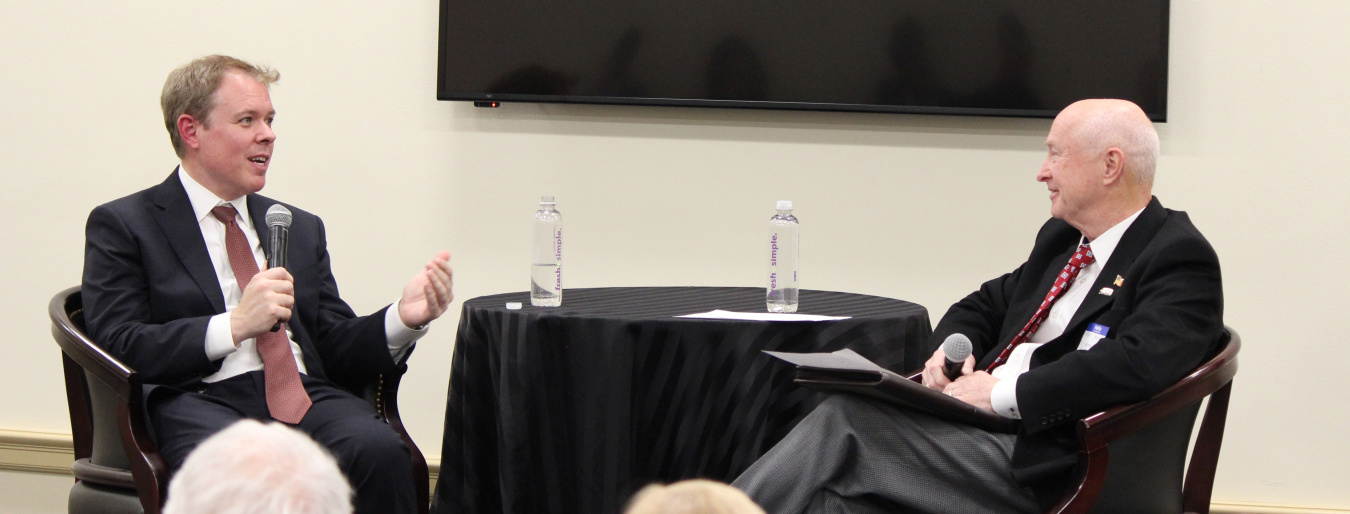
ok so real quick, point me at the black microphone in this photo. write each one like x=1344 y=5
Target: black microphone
x=957 y=348
x=278 y=230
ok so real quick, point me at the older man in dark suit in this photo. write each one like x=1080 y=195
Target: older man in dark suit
x=175 y=286
x=1119 y=298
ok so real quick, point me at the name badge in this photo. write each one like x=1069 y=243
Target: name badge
x=1093 y=334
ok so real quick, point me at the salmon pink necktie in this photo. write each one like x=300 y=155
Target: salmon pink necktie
x=287 y=400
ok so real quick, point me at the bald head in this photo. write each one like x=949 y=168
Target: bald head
x=1100 y=125
x=1099 y=165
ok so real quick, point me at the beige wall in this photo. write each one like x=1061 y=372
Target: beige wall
x=914 y=207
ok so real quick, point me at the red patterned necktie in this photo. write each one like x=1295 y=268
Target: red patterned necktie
x=287 y=400
x=1081 y=259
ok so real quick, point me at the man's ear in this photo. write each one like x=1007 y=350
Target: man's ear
x=1113 y=165
x=187 y=130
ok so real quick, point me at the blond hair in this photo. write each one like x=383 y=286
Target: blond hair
x=191 y=90
x=692 y=497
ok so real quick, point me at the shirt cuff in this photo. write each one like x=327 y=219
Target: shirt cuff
x=219 y=339
x=1004 y=398
x=396 y=333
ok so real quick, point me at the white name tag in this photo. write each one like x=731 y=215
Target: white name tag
x=1093 y=334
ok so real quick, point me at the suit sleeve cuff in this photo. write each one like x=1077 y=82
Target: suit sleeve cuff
x=1004 y=398
x=219 y=339
x=399 y=336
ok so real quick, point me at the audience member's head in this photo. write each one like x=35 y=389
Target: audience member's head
x=692 y=497
x=250 y=467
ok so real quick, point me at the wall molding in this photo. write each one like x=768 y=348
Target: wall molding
x=1267 y=508
x=36 y=452
x=52 y=453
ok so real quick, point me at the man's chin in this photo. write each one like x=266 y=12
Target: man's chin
x=256 y=186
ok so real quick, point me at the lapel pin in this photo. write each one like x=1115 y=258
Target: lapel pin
x=1120 y=281
x=1106 y=291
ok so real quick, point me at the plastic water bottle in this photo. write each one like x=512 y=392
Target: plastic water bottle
x=784 y=238
x=546 y=267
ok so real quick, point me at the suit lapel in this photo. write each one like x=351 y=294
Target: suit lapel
x=1022 y=312
x=257 y=212
x=173 y=213
x=1135 y=239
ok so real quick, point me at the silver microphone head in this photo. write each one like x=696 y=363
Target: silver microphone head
x=278 y=215
x=957 y=347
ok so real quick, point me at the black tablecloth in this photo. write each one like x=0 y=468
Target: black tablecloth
x=574 y=408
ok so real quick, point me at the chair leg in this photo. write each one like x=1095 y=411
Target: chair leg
x=1205 y=457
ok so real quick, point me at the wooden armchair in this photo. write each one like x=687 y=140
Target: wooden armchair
x=117 y=467
x=1145 y=445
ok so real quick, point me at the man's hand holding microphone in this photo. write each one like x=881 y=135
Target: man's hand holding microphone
x=951 y=370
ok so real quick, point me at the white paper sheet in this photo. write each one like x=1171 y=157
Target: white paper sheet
x=761 y=316
x=842 y=359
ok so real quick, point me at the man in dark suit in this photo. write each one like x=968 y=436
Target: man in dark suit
x=1119 y=299
x=172 y=287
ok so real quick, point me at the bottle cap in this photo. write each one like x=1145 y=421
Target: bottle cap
x=785 y=205
x=514 y=306
x=546 y=200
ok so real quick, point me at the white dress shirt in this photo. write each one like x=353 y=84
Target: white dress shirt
x=219 y=342
x=1004 y=396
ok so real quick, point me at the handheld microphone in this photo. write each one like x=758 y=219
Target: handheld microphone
x=278 y=230
x=957 y=348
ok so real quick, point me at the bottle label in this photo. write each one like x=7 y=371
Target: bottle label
x=557 y=255
x=773 y=250
x=773 y=262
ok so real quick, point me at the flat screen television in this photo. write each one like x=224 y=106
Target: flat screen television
x=973 y=57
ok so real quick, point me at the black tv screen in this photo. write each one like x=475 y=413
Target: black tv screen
x=977 y=57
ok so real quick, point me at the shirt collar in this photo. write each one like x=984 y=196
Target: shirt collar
x=1105 y=244
x=203 y=200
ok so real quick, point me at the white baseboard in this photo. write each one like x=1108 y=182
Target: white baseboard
x=51 y=453
x=36 y=452
x=1267 y=508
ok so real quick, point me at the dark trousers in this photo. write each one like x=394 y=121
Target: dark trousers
x=856 y=455
x=370 y=454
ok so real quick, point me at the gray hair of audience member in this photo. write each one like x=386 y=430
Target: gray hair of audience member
x=692 y=497
x=252 y=467
x=191 y=90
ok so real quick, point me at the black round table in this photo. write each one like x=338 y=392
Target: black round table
x=573 y=408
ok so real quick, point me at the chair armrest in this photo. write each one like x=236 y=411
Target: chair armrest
x=1098 y=430
x=69 y=335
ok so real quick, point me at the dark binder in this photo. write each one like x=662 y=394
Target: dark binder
x=858 y=377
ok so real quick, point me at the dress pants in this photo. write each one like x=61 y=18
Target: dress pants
x=370 y=454
x=857 y=455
